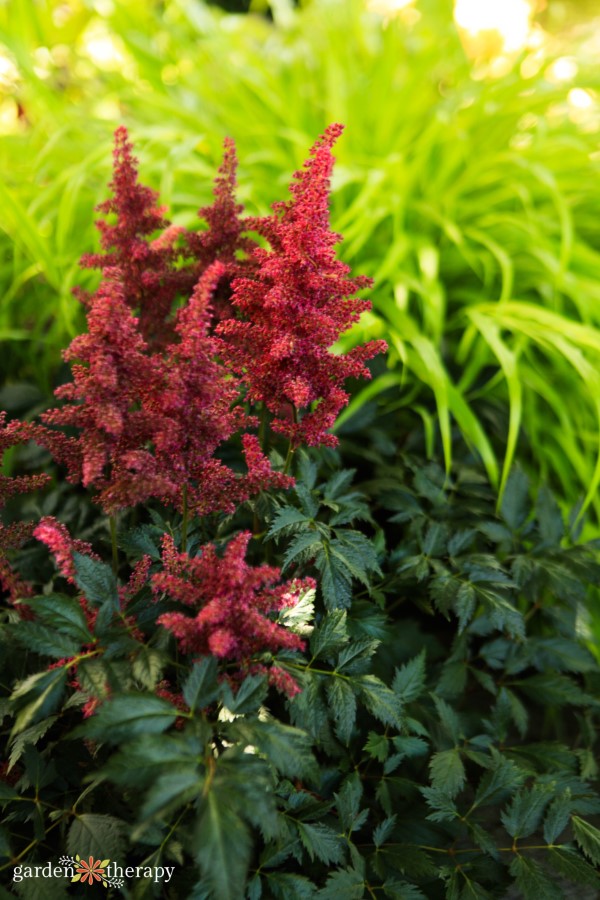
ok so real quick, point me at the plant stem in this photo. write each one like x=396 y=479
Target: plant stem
x=263 y=429
x=290 y=450
x=113 y=540
x=184 y=524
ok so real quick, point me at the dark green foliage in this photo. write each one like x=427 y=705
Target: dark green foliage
x=442 y=744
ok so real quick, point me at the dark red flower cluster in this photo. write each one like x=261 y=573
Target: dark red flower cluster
x=14 y=535
x=294 y=307
x=155 y=394
x=233 y=603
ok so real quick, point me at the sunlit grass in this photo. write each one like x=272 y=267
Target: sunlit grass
x=472 y=202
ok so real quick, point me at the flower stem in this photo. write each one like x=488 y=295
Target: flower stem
x=113 y=540
x=291 y=448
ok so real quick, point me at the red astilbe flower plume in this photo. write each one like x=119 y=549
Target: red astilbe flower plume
x=148 y=274
x=295 y=307
x=110 y=395
x=233 y=602
x=16 y=534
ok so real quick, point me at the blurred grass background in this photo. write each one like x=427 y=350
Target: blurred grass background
x=466 y=186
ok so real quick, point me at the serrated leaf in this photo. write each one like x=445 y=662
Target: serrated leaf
x=147 y=667
x=570 y=865
x=169 y=792
x=303 y=547
x=348 y=804
x=37 y=697
x=549 y=516
x=96 y=579
x=588 y=838
x=336 y=579
x=347 y=883
x=62 y=613
x=525 y=812
x=98 y=836
x=515 y=500
x=46 y=641
x=377 y=746
x=288 y=886
x=128 y=715
x=321 y=842
x=533 y=881
x=409 y=680
x=288 y=749
x=557 y=816
x=286 y=521
x=342 y=701
x=501 y=780
x=248 y=697
x=29 y=736
x=402 y=890
x=201 y=688
x=447 y=771
x=380 y=700
x=224 y=845
x=330 y=634
x=383 y=831
x=449 y=719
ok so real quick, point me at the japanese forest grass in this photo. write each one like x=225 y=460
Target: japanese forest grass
x=471 y=201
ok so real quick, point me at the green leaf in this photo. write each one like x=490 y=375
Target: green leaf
x=501 y=780
x=288 y=749
x=402 y=890
x=336 y=577
x=287 y=521
x=169 y=792
x=570 y=865
x=321 y=842
x=147 y=667
x=342 y=701
x=383 y=831
x=588 y=838
x=62 y=613
x=46 y=641
x=347 y=883
x=201 y=688
x=525 y=812
x=533 y=881
x=303 y=547
x=37 y=697
x=29 y=736
x=449 y=719
x=102 y=837
x=557 y=817
x=330 y=634
x=515 y=502
x=549 y=517
x=128 y=715
x=447 y=771
x=287 y=886
x=409 y=681
x=96 y=580
x=379 y=700
x=248 y=697
x=378 y=746
x=348 y=804
x=224 y=845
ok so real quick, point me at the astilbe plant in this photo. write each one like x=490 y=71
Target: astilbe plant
x=315 y=708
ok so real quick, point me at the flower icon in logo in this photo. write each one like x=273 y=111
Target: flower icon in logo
x=90 y=871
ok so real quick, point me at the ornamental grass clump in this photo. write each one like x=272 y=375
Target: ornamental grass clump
x=280 y=678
